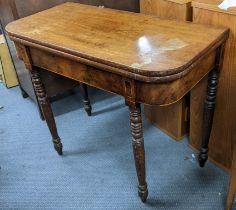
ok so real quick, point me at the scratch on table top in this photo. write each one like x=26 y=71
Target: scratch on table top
x=138 y=65
x=34 y=31
x=37 y=31
x=148 y=51
x=172 y=44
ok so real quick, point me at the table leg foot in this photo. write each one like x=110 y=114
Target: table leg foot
x=88 y=110
x=202 y=157
x=23 y=93
x=58 y=146
x=143 y=192
x=138 y=149
x=86 y=101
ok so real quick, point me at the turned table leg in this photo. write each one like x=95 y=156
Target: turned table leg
x=138 y=149
x=46 y=108
x=84 y=93
x=232 y=184
x=208 y=113
x=209 y=107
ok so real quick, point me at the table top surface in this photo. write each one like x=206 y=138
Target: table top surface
x=136 y=43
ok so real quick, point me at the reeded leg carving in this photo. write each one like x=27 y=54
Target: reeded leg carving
x=84 y=93
x=46 y=109
x=138 y=150
x=209 y=108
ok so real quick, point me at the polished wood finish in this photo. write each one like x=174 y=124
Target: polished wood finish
x=224 y=127
x=172 y=119
x=167 y=9
x=142 y=58
x=232 y=184
x=146 y=58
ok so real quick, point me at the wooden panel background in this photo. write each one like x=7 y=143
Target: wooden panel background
x=167 y=9
x=172 y=119
x=224 y=126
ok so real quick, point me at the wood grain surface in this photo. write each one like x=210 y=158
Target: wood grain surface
x=137 y=43
x=155 y=93
x=212 y=5
x=167 y=9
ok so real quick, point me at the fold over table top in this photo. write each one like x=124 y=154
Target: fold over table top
x=135 y=43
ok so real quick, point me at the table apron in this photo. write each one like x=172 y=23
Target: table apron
x=152 y=93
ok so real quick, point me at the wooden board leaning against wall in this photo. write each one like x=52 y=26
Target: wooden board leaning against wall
x=7 y=69
x=224 y=126
x=172 y=119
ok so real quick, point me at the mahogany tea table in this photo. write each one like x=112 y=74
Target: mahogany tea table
x=142 y=58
